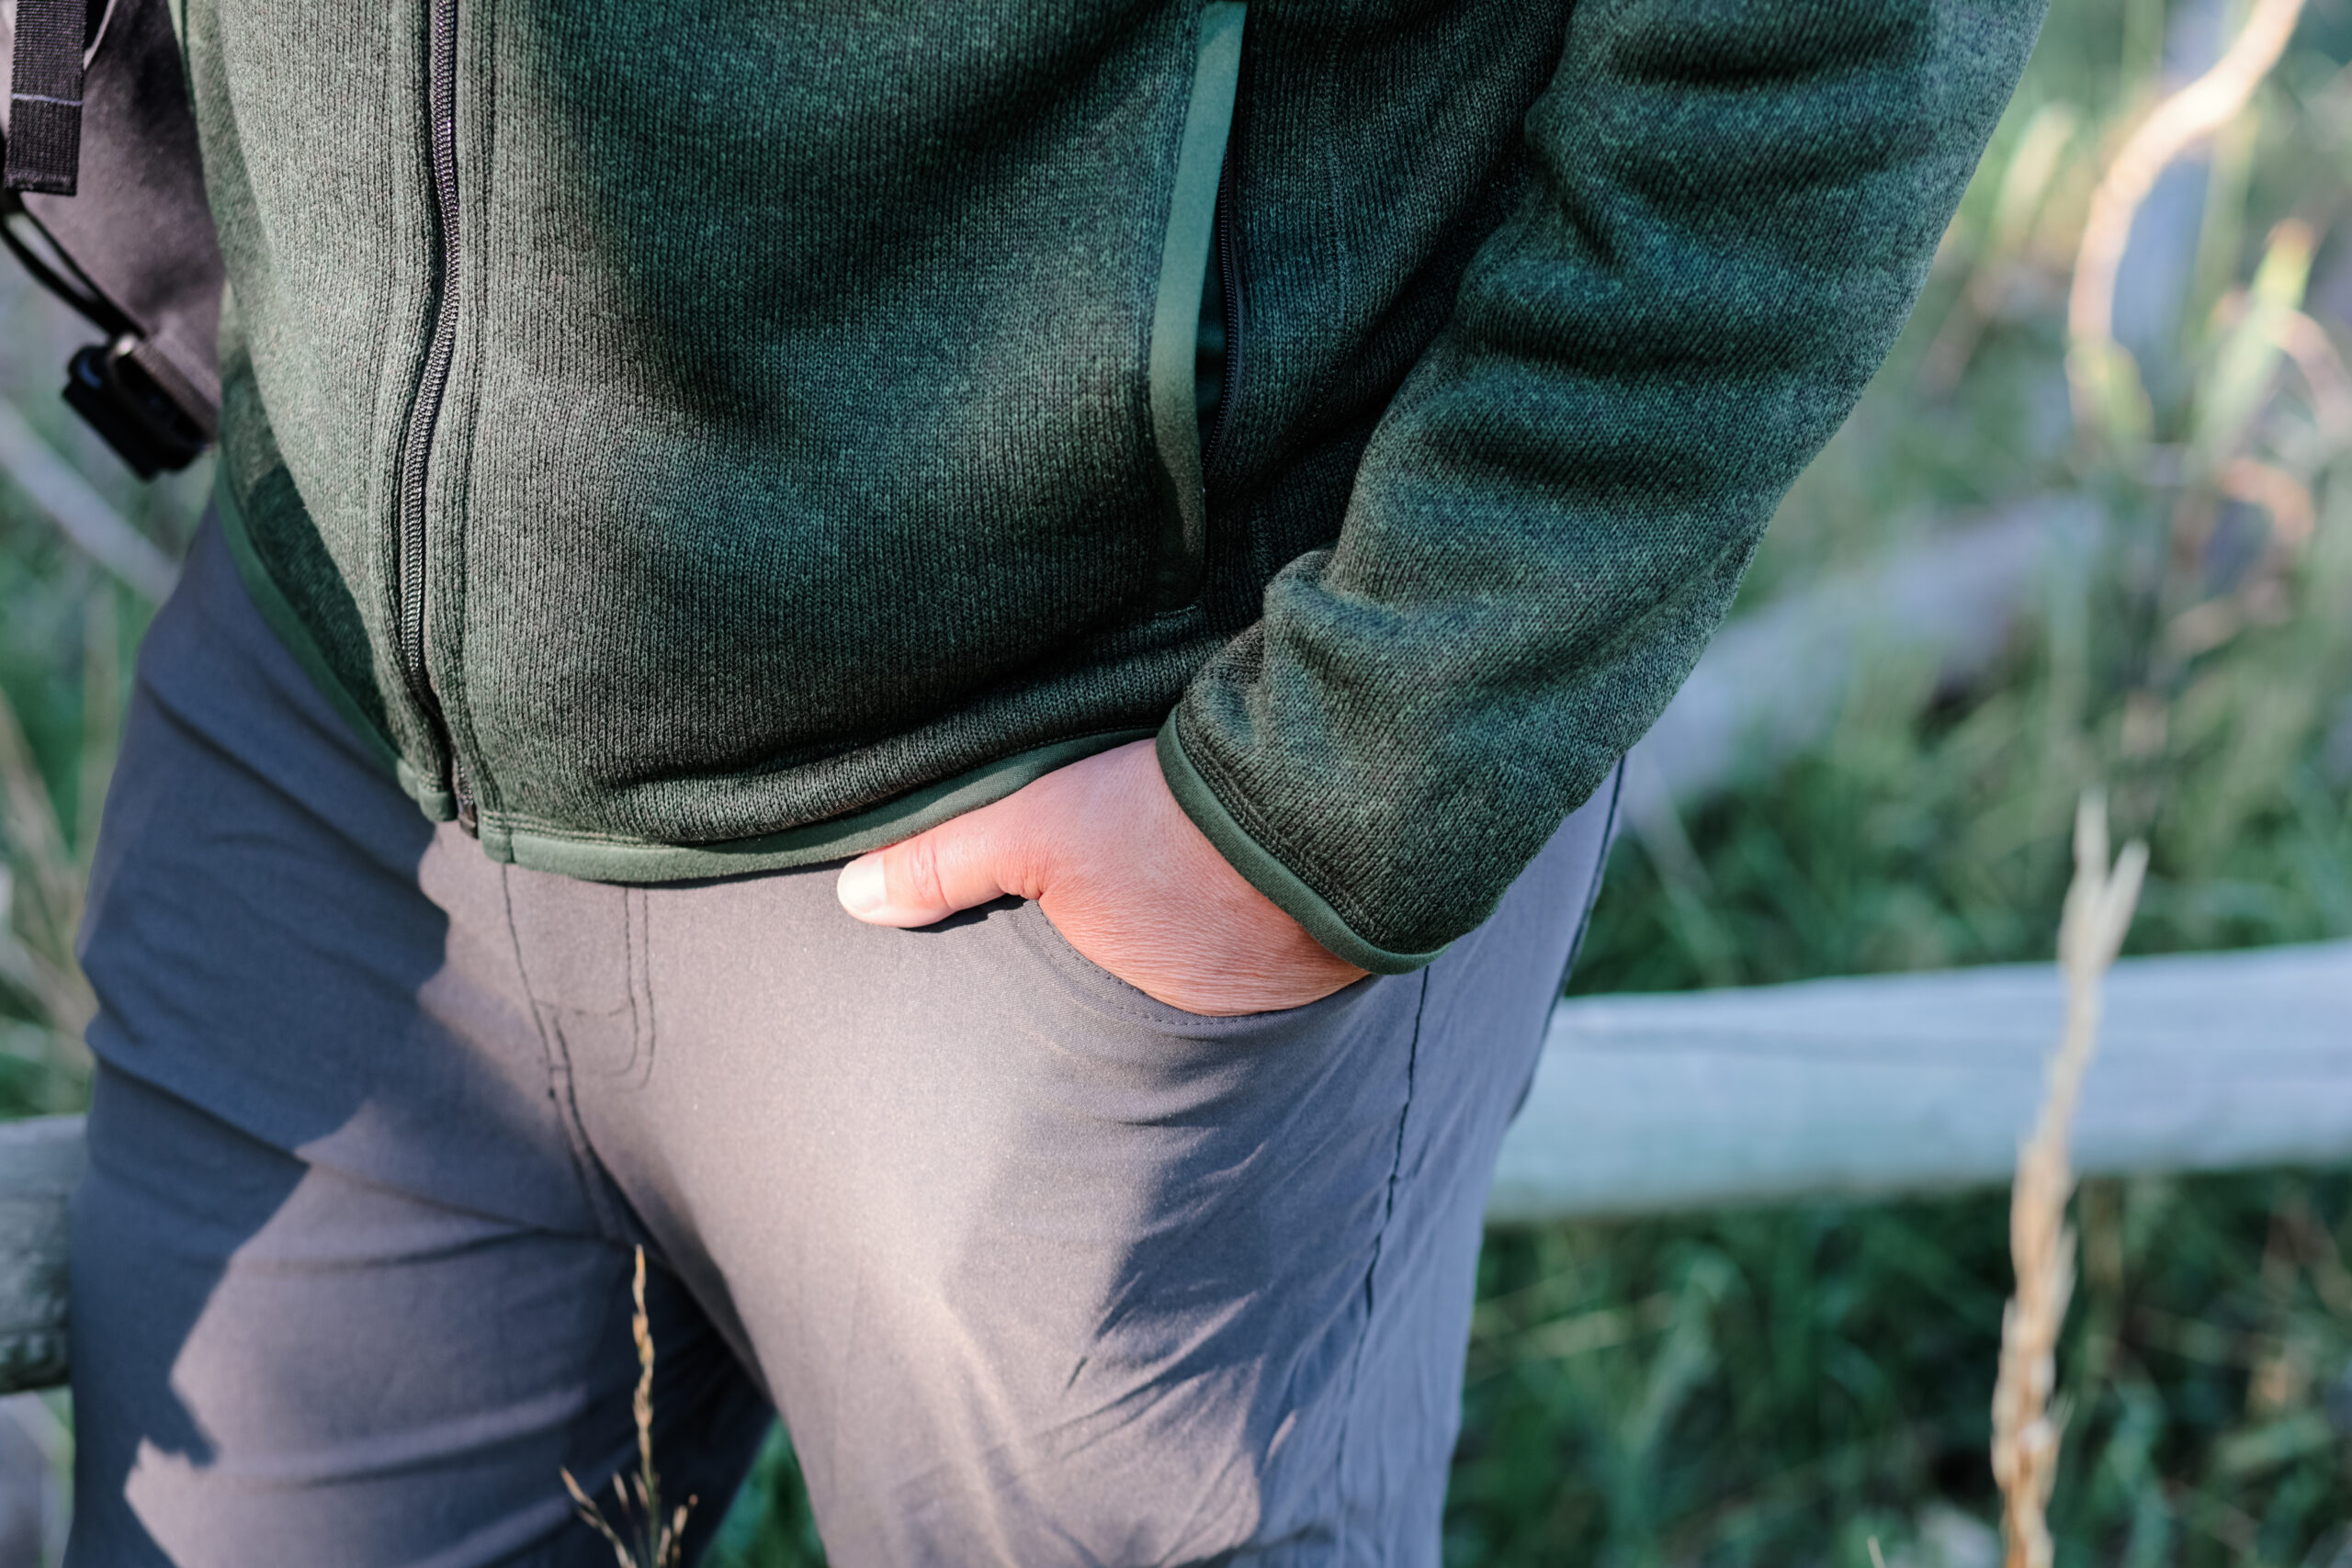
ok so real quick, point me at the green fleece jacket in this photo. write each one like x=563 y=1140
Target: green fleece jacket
x=702 y=438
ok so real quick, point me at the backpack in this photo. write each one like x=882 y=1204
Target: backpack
x=104 y=204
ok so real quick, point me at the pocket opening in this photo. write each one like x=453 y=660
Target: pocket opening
x=1183 y=279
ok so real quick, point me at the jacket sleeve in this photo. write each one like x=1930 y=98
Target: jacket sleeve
x=1734 y=206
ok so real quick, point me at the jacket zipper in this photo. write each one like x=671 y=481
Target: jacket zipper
x=424 y=414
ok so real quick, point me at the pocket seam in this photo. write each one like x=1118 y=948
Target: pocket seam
x=1129 y=1002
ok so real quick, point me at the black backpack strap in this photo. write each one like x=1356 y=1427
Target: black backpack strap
x=45 y=96
x=134 y=251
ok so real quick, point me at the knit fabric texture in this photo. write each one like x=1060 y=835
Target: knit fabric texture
x=790 y=454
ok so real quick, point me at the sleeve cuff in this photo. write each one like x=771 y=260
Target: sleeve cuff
x=1268 y=876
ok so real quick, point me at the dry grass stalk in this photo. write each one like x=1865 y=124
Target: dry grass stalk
x=43 y=877
x=656 y=1541
x=42 y=907
x=2026 y=1425
x=2307 y=343
x=2024 y=184
x=2196 y=111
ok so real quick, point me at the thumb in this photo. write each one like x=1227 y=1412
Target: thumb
x=917 y=881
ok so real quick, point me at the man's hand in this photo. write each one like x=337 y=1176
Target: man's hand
x=1124 y=876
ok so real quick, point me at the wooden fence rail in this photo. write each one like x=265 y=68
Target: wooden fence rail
x=40 y=1162
x=1880 y=1087
x=1919 y=1083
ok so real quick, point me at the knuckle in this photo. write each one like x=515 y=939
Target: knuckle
x=1019 y=866
x=920 y=867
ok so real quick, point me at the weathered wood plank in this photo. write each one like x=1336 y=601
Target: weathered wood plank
x=1916 y=1083
x=1773 y=681
x=57 y=489
x=40 y=1162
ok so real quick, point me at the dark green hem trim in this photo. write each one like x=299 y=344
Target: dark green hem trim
x=1268 y=876
x=1183 y=276
x=593 y=859
x=278 y=612
x=626 y=859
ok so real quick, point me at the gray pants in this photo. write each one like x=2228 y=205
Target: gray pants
x=1037 y=1270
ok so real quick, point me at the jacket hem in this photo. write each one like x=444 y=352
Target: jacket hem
x=1268 y=876
x=589 y=857
x=598 y=858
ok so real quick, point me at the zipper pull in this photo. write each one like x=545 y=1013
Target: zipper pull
x=467 y=817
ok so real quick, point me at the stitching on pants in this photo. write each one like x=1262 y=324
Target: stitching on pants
x=585 y=1166
x=1371 y=1270
x=637 y=935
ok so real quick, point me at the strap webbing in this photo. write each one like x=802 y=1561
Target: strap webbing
x=45 y=96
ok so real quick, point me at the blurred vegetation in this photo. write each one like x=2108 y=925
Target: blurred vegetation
x=67 y=635
x=1781 y=1386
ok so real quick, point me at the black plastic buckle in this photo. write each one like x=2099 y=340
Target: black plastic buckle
x=148 y=428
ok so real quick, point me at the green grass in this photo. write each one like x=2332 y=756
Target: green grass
x=1777 y=1386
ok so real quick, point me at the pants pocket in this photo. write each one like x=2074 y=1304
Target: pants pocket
x=1041 y=942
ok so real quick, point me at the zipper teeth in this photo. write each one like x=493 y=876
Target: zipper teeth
x=442 y=70
x=1228 y=264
